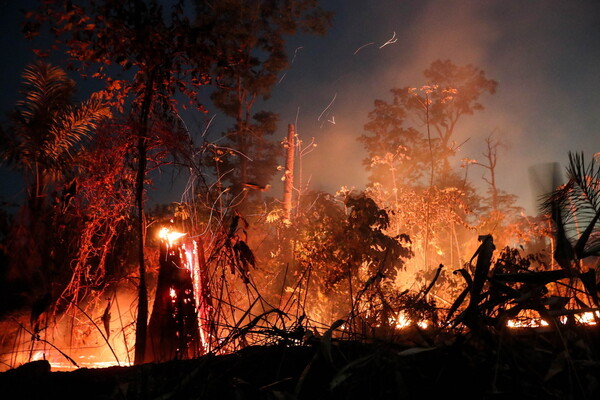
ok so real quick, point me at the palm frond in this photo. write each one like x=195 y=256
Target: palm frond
x=46 y=127
x=46 y=89
x=575 y=206
x=75 y=124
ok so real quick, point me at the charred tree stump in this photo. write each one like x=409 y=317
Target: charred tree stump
x=173 y=332
x=484 y=260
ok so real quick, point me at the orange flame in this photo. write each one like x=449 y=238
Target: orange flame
x=169 y=235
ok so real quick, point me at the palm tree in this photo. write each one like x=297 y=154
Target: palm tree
x=48 y=129
x=46 y=132
x=575 y=211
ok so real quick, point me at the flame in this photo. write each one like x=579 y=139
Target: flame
x=588 y=318
x=403 y=321
x=526 y=323
x=169 y=235
x=529 y=321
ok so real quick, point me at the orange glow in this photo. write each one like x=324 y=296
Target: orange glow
x=403 y=321
x=169 y=235
x=587 y=318
x=526 y=323
x=526 y=320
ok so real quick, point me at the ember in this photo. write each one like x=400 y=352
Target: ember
x=169 y=235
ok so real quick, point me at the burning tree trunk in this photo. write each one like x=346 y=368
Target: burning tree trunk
x=288 y=183
x=173 y=332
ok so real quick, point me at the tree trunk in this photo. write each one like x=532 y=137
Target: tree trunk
x=288 y=184
x=173 y=331
x=142 y=147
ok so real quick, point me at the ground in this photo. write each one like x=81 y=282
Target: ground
x=528 y=365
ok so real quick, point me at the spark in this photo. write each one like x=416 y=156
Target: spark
x=296 y=53
x=363 y=46
x=188 y=187
x=328 y=106
x=208 y=125
x=332 y=120
x=392 y=40
x=280 y=79
x=291 y=63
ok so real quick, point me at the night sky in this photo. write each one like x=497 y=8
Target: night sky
x=544 y=54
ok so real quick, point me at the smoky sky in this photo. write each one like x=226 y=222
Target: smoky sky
x=544 y=54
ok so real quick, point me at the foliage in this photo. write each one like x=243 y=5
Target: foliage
x=160 y=49
x=575 y=209
x=47 y=136
x=339 y=237
x=155 y=48
x=395 y=144
x=341 y=256
x=47 y=129
x=332 y=259
x=410 y=141
x=248 y=40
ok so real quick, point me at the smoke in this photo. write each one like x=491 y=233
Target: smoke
x=542 y=53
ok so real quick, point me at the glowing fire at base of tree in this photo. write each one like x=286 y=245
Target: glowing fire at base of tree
x=180 y=315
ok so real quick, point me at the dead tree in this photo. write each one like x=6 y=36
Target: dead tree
x=288 y=177
x=173 y=332
x=482 y=267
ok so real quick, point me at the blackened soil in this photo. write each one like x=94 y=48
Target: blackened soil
x=524 y=367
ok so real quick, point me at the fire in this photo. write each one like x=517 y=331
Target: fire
x=530 y=321
x=526 y=323
x=403 y=321
x=588 y=318
x=169 y=235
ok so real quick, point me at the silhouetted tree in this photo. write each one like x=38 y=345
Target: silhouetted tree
x=46 y=134
x=400 y=150
x=161 y=52
x=249 y=39
x=47 y=129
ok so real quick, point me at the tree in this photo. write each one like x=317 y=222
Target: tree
x=44 y=141
x=342 y=241
x=393 y=148
x=410 y=141
x=451 y=92
x=248 y=38
x=158 y=50
x=146 y=55
x=47 y=129
x=499 y=214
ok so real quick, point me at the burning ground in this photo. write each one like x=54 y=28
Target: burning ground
x=523 y=365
